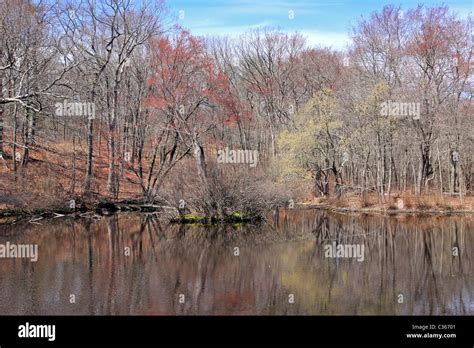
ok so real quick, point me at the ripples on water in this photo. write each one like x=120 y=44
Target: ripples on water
x=412 y=256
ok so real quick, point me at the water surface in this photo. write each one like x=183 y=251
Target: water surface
x=135 y=264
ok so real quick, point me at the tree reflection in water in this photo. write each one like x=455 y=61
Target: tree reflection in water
x=405 y=255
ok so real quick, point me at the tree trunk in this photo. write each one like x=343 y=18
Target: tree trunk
x=73 y=179
x=90 y=149
x=111 y=159
x=454 y=174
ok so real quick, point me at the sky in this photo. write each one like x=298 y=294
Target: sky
x=322 y=22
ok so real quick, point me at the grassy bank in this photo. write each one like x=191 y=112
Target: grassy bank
x=395 y=203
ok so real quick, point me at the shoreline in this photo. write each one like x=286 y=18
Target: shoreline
x=105 y=208
x=384 y=211
x=82 y=210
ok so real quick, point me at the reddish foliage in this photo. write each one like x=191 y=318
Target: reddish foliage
x=186 y=85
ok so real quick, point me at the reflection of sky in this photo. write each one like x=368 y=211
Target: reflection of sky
x=323 y=22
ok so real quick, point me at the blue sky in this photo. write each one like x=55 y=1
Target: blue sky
x=323 y=22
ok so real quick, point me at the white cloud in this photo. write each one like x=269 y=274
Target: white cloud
x=227 y=30
x=334 y=40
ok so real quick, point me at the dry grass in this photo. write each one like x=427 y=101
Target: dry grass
x=401 y=202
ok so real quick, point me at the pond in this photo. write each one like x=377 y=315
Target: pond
x=298 y=262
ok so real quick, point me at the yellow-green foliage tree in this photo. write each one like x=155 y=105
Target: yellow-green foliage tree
x=311 y=150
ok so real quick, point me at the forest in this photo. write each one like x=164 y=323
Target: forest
x=113 y=100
